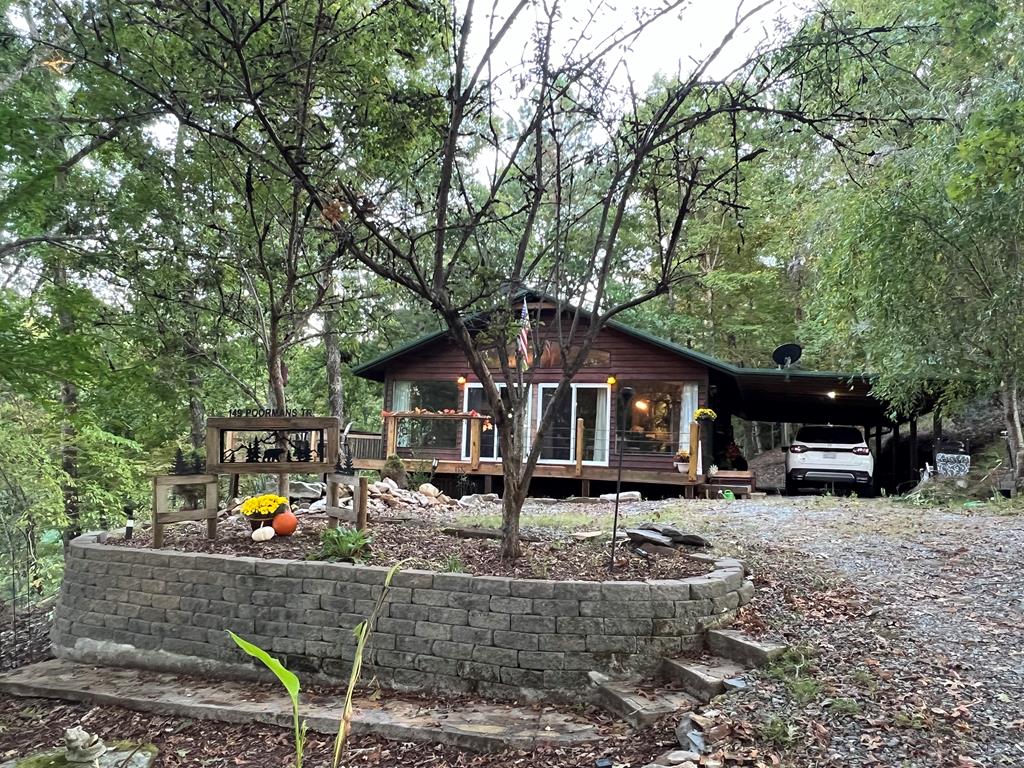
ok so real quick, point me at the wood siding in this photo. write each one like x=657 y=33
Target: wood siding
x=631 y=360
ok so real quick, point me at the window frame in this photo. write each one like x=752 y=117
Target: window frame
x=540 y=387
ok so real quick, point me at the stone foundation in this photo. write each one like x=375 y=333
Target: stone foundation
x=438 y=632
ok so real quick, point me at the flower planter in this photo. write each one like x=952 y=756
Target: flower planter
x=681 y=466
x=258 y=521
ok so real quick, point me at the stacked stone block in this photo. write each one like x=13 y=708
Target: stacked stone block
x=447 y=632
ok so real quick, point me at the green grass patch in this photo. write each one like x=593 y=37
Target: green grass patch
x=845 y=706
x=778 y=731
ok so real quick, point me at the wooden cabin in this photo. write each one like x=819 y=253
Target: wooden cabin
x=581 y=453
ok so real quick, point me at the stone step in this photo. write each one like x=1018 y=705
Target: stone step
x=740 y=647
x=476 y=726
x=641 y=703
x=703 y=679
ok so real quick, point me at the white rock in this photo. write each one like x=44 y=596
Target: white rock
x=390 y=483
x=318 y=506
x=624 y=496
x=681 y=757
x=429 y=489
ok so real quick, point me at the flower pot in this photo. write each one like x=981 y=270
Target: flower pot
x=258 y=521
x=682 y=466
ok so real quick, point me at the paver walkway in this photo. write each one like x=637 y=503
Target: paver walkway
x=475 y=726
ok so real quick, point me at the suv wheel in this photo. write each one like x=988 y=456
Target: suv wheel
x=791 y=488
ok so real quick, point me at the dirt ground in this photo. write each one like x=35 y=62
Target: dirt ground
x=906 y=624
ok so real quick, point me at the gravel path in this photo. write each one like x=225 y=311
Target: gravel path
x=914 y=618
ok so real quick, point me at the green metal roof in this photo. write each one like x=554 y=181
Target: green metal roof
x=370 y=369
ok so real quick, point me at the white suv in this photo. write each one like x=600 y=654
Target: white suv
x=827 y=456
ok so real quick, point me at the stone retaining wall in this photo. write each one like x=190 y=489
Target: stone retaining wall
x=447 y=632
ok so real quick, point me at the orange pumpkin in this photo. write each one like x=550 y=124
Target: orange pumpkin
x=285 y=523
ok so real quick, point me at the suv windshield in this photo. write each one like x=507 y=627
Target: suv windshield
x=845 y=435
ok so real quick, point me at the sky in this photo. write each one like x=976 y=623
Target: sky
x=669 y=46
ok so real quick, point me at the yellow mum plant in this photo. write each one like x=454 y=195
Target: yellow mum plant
x=263 y=506
x=704 y=413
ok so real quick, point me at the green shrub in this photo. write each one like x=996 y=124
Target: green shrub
x=452 y=564
x=394 y=468
x=342 y=544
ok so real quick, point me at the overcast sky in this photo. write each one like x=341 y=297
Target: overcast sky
x=668 y=46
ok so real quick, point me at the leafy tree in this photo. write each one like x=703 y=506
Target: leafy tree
x=460 y=203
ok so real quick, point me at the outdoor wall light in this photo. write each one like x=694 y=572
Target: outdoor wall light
x=461 y=381
x=612 y=381
x=831 y=394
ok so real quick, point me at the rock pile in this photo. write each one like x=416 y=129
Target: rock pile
x=657 y=539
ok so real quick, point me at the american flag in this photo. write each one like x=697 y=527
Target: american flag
x=523 y=344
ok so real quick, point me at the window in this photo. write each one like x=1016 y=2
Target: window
x=475 y=400
x=658 y=417
x=584 y=401
x=551 y=356
x=430 y=396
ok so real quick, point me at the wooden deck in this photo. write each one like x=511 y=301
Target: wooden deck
x=561 y=471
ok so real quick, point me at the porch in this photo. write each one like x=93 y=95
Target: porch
x=584 y=453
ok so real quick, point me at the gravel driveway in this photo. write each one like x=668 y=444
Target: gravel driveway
x=913 y=620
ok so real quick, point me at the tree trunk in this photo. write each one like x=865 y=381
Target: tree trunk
x=511 y=506
x=1011 y=399
x=332 y=351
x=69 y=404
x=277 y=401
x=196 y=411
x=275 y=390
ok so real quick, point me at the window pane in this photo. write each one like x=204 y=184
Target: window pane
x=557 y=441
x=475 y=401
x=652 y=418
x=430 y=396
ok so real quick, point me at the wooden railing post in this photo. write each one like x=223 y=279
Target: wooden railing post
x=694 y=449
x=475 y=438
x=392 y=429
x=579 y=447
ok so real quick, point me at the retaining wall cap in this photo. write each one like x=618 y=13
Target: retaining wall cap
x=723 y=567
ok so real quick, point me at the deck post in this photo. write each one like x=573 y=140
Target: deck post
x=391 y=425
x=579 y=447
x=475 y=430
x=694 y=450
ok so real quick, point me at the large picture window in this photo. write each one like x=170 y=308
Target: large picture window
x=430 y=396
x=658 y=417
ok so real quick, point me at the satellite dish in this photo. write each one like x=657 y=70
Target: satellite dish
x=787 y=354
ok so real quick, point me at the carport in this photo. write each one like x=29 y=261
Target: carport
x=796 y=396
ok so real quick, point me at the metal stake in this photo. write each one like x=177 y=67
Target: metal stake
x=625 y=395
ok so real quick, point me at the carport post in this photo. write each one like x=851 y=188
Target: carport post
x=914 y=474
x=894 y=444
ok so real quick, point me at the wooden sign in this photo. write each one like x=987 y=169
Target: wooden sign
x=273 y=445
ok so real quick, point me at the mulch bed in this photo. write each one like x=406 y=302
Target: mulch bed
x=30 y=725
x=426 y=546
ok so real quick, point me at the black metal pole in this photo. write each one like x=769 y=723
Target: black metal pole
x=625 y=395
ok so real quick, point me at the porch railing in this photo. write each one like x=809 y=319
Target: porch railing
x=366 y=445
